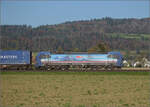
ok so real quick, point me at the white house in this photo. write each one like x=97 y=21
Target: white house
x=146 y=63
x=137 y=64
x=126 y=64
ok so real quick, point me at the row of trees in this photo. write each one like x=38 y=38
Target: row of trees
x=82 y=43
x=79 y=35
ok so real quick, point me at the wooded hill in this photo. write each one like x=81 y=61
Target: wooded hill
x=118 y=34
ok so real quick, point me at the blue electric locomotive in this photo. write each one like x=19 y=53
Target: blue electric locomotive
x=46 y=60
x=65 y=61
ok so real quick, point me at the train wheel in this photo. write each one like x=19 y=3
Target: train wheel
x=56 y=68
x=95 y=68
x=109 y=67
x=48 y=68
x=65 y=67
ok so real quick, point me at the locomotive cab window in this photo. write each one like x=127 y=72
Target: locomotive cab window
x=44 y=56
x=113 y=56
x=116 y=56
x=110 y=56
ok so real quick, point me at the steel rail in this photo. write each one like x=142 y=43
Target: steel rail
x=80 y=70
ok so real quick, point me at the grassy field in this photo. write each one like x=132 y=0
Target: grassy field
x=74 y=89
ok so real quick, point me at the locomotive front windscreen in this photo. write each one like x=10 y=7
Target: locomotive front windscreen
x=113 y=56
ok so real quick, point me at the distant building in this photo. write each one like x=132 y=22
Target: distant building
x=146 y=63
x=126 y=64
x=137 y=64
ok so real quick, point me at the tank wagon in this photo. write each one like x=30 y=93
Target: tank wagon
x=13 y=59
x=46 y=60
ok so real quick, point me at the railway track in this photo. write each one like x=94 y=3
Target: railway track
x=85 y=70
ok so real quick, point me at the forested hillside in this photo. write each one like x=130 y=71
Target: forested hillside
x=118 y=34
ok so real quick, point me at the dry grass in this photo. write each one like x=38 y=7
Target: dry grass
x=73 y=90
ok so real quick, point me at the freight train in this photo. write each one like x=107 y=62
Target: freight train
x=13 y=59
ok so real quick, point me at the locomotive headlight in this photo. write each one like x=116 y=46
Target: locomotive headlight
x=42 y=60
x=115 y=60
